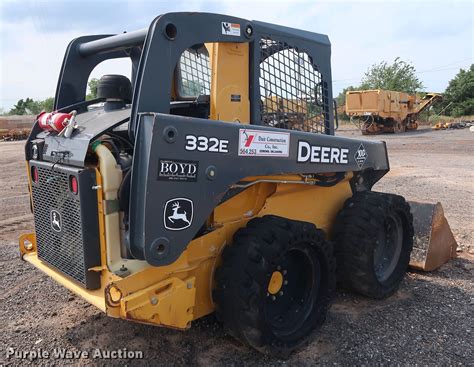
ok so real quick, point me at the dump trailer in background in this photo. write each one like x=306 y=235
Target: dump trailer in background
x=377 y=111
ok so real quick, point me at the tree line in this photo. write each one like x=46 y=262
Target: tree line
x=30 y=106
x=401 y=76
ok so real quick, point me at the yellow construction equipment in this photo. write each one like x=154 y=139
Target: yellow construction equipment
x=377 y=111
x=211 y=182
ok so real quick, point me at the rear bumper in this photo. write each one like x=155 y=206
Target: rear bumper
x=151 y=296
x=94 y=297
x=27 y=244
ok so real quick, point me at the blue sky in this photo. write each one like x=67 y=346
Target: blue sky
x=436 y=36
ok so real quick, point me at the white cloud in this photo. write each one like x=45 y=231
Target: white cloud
x=31 y=61
x=429 y=34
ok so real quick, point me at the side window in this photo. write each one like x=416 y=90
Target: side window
x=193 y=73
x=292 y=92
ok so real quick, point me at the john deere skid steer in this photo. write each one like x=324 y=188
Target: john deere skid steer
x=210 y=182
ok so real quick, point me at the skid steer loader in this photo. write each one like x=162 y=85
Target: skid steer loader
x=184 y=192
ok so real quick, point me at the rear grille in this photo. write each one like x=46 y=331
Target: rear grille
x=59 y=216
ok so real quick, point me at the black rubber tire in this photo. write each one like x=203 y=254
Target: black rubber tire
x=363 y=220
x=243 y=302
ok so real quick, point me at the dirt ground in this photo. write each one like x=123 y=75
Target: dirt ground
x=429 y=321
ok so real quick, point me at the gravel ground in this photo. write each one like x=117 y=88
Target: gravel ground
x=429 y=321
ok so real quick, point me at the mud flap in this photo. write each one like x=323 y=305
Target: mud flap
x=434 y=243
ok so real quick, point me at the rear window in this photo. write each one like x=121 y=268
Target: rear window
x=194 y=73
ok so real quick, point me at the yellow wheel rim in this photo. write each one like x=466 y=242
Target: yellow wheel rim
x=276 y=282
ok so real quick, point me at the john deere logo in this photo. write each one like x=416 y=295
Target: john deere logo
x=56 y=222
x=178 y=214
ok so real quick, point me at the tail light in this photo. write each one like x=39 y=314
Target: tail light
x=53 y=121
x=34 y=174
x=73 y=185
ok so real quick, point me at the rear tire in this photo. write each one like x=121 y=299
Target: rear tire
x=398 y=127
x=373 y=239
x=275 y=316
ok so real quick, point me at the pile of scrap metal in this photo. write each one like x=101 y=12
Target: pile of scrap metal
x=14 y=134
x=453 y=125
x=15 y=127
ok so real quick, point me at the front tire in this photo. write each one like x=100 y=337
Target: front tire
x=275 y=283
x=398 y=127
x=373 y=236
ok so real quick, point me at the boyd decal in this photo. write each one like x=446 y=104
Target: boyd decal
x=319 y=154
x=177 y=170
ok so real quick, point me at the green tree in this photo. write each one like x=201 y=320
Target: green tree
x=29 y=106
x=459 y=95
x=47 y=105
x=92 y=85
x=25 y=107
x=399 y=76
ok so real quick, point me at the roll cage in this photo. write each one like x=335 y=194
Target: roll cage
x=155 y=52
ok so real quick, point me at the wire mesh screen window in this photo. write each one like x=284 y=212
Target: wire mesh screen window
x=293 y=94
x=194 y=73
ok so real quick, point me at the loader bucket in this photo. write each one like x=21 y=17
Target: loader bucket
x=434 y=243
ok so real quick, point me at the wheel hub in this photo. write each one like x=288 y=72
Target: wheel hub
x=388 y=249
x=276 y=282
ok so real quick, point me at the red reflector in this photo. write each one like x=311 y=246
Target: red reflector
x=34 y=174
x=73 y=184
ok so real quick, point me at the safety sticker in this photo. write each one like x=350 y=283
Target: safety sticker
x=231 y=29
x=257 y=143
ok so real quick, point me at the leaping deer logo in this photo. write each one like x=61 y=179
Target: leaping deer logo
x=176 y=215
x=55 y=221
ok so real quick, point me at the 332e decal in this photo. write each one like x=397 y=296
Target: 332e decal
x=205 y=144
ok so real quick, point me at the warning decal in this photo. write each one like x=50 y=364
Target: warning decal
x=259 y=143
x=230 y=29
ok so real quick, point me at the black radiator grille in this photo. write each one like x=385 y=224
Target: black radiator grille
x=53 y=203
